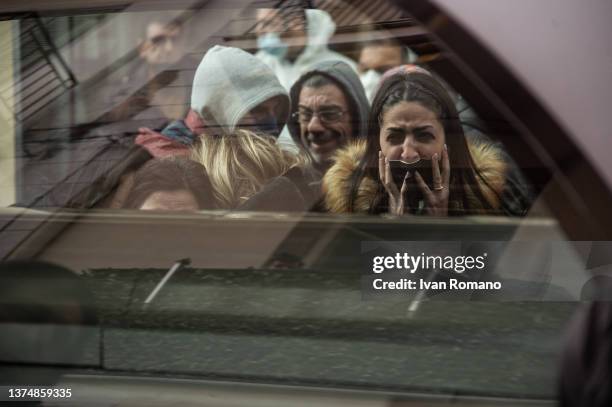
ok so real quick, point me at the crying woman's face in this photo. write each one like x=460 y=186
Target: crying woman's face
x=409 y=131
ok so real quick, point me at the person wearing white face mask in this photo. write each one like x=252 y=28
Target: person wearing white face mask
x=377 y=57
x=292 y=40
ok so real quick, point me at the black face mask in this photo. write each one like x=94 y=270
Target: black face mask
x=413 y=193
x=400 y=168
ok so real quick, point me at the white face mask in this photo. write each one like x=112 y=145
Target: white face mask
x=370 y=80
x=272 y=44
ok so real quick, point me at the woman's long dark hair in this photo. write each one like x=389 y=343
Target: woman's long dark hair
x=422 y=88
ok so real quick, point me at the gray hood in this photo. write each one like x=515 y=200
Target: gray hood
x=228 y=83
x=342 y=74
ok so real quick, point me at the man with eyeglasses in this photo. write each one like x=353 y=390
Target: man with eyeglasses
x=151 y=87
x=329 y=109
x=163 y=44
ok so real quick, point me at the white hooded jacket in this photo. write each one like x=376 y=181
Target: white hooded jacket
x=228 y=83
x=320 y=28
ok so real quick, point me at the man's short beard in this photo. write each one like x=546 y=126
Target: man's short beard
x=323 y=162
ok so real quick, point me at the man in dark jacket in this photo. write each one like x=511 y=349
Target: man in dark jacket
x=329 y=108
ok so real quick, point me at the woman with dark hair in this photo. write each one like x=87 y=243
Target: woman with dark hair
x=417 y=159
x=176 y=183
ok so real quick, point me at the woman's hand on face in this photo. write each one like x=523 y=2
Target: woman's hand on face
x=436 y=198
x=396 y=197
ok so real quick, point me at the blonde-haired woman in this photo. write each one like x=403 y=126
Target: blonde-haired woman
x=250 y=171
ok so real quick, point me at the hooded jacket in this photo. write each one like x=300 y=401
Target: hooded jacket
x=348 y=81
x=228 y=83
x=319 y=29
x=505 y=194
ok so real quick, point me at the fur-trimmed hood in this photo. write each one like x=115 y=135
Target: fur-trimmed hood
x=488 y=157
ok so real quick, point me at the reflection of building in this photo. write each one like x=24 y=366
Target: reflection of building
x=85 y=128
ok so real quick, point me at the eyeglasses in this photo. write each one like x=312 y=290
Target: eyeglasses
x=327 y=116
